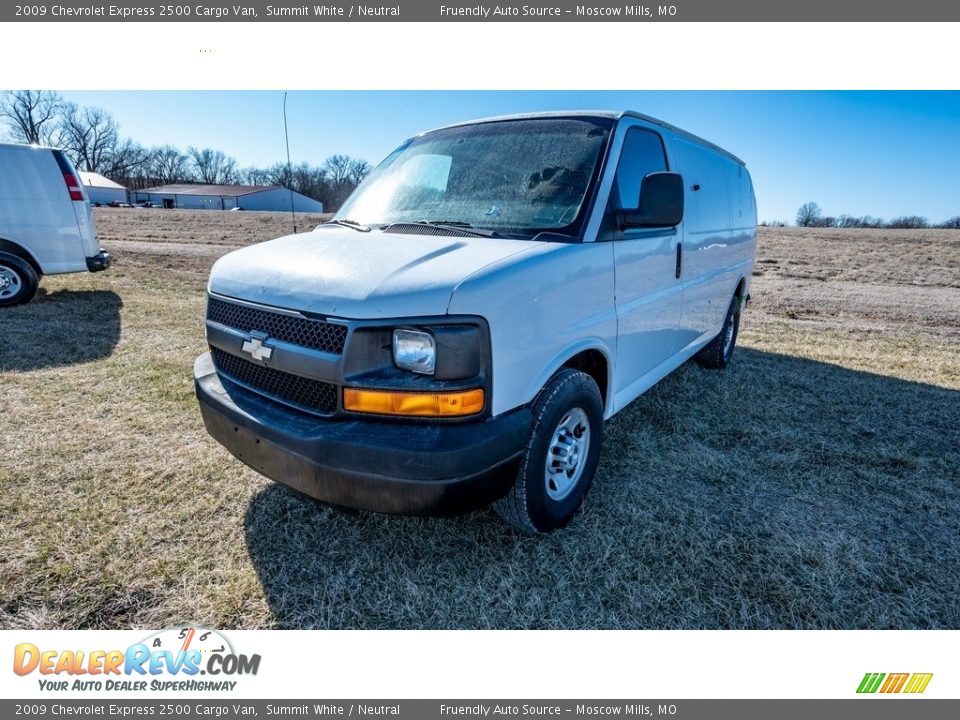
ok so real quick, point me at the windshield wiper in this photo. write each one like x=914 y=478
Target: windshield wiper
x=459 y=226
x=352 y=224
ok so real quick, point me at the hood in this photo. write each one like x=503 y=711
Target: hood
x=356 y=275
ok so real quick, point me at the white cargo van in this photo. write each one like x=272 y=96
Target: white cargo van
x=489 y=295
x=46 y=225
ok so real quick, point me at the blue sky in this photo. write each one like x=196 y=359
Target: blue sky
x=883 y=153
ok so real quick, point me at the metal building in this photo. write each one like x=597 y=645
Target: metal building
x=227 y=197
x=101 y=190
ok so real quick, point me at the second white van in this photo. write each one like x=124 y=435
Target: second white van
x=487 y=297
x=46 y=225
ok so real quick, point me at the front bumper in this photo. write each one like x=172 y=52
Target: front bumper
x=100 y=261
x=412 y=468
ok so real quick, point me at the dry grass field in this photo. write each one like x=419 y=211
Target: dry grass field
x=815 y=484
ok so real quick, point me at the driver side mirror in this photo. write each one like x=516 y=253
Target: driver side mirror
x=660 y=204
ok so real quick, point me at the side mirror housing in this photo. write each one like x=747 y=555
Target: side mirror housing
x=660 y=205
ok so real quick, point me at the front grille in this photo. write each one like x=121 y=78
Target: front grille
x=316 y=334
x=307 y=394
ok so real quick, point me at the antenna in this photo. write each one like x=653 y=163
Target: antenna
x=286 y=135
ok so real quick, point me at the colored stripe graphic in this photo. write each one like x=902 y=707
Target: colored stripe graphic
x=918 y=683
x=894 y=683
x=870 y=682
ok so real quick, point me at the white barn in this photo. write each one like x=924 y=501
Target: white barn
x=101 y=190
x=227 y=197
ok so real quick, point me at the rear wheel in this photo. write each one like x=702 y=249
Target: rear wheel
x=717 y=354
x=561 y=457
x=18 y=280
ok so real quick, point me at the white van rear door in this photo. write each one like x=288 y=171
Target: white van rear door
x=81 y=204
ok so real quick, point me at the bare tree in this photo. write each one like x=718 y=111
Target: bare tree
x=166 y=165
x=90 y=137
x=30 y=115
x=125 y=161
x=343 y=174
x=278 y=174
x=808 y=214
x=952 y=223
x=909 y=222
x=213 y=167
x=337 y=168
x=358 y=170
x=256 y=176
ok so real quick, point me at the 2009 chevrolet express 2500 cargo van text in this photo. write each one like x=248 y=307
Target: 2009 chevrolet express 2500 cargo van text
x=46 y=226
x=493 y=291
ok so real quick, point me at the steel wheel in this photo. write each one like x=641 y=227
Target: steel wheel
x=567 y=454
x=10 y=282
x=728 y=335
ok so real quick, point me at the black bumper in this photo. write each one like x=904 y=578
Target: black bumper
x=411 y=468
x=100 y=261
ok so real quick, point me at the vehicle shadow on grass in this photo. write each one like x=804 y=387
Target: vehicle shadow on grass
x=781 y=493
x=59 y=328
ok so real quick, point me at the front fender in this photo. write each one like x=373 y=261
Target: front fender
x=542 y=307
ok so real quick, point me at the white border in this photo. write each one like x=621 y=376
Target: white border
x=457 y=56
x=651 y=664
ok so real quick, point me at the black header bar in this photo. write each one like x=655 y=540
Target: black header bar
x=484 y=11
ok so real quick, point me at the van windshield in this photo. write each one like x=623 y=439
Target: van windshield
x=516 y=177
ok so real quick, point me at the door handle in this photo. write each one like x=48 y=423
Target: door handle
x=679 y=259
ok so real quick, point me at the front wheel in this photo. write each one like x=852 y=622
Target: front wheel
x=561 y=457
x=18 y=280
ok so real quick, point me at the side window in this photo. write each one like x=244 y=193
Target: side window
x=642 y=154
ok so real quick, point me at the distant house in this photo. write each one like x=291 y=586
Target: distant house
x=227 y=197
x=101 y=190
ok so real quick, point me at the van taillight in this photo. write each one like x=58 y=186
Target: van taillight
x=69 y=176
x=73 y=186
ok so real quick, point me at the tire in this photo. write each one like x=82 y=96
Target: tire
x=18 y=280
x=567 y=415
x=716 y=354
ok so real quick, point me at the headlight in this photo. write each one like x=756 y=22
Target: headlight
x=415 y=351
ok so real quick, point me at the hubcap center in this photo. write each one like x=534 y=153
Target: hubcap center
x=570 y=445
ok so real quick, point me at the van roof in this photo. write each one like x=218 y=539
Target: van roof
x=611 y=114
x=22 y=146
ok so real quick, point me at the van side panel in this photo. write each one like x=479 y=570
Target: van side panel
x=542 y=309
x=36 y=212
x=719 y=237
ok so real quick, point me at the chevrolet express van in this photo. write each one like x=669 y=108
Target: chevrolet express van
x=458 y=333
x=46 y=225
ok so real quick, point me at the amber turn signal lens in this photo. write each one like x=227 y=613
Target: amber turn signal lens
x=415 y=404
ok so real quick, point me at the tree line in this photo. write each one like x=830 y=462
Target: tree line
x=810 y=215
x=91 y=138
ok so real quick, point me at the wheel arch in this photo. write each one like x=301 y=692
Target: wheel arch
x=20 y=251
x=742 y=289
x=591 y=357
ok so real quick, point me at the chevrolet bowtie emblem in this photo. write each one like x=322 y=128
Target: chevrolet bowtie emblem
x=256 y=348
